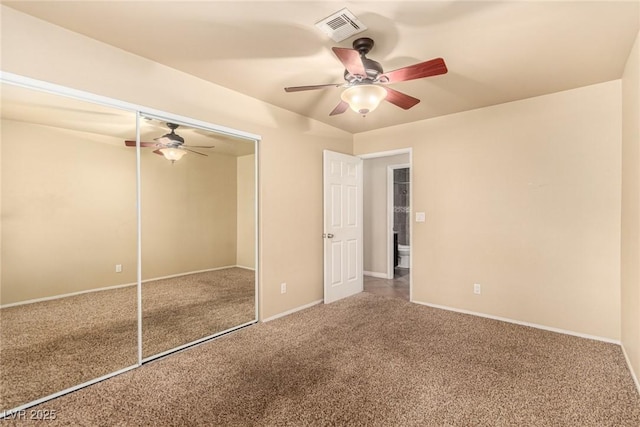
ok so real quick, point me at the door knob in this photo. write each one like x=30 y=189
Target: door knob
x=328 y=236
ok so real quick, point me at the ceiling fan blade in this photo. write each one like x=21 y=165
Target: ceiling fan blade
x=158 y=152
x=313 y=87
x=198 y=146
x=400 y=99
x=429 y=68
x=340 y=108
x=142 y=144
x=194 y=151
x=351 y=60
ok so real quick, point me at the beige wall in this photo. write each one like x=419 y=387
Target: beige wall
x=630 y=266
x=375 y=212
x=246 y=211
x=188 y=213
x=68 y=211
x=524 y=199
x=291 y=147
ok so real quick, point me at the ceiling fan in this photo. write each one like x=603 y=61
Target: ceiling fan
x=170 y=145
x=365 y=79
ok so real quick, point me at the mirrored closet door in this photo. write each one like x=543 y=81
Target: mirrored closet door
x=124 y=236
x=198 y=234
x=68 y=309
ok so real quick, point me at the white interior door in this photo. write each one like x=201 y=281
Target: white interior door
x=342 y=226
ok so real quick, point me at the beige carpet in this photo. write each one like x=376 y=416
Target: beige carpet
x=48 y=346
x=175 y=312
x=370 y=360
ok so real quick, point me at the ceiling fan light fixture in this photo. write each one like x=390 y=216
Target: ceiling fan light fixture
x=170 y=138
x=172 y=153
x=364 y=98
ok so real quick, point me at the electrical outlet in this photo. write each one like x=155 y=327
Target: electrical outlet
x=476 y=288
x=118 y=268
x=283 y=288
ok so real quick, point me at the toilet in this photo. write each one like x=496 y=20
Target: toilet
x=403 y=253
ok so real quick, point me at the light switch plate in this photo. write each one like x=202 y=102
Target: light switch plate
x=420 y=217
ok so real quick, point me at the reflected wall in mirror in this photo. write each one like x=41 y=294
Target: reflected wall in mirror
x=198 y=234
x=68 y=306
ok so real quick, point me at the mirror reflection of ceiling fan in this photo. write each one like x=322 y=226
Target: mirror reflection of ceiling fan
x=170 y=145
x=365 y=79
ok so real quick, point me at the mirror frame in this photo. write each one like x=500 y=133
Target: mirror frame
x=140 y=112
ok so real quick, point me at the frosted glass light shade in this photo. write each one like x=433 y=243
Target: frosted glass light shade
x=364 y=98
x=172 y=153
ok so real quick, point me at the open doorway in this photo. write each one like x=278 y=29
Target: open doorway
x=386 y=220
x=399 y=221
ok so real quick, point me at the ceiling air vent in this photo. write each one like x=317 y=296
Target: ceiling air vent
x=341 y=25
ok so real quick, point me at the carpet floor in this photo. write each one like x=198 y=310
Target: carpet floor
x=370 y=361
x=52 y=345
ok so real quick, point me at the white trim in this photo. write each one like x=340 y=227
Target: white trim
x=139 y=237
x=70 y=294
x=384 y=153
x=519 y=322
x=293 y=310
x=374 y=274
x=413 y=224
x=8 y=412
x=244 y=267
x=197 y=342
x=171 y=276
x=107 y=288
x=257 y=300
x=633 y=373
x=55 y=89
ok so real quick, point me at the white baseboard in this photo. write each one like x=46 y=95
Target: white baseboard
x=107 y=288
x=293 y=310
x=633 y=373
x=374 y=274
x=171 y=276
x=245 y=267
x=70 y=294
x=519 y=322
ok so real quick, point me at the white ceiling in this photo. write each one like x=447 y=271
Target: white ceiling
x=495 y=51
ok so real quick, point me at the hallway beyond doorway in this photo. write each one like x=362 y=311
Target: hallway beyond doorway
x=397 y=287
